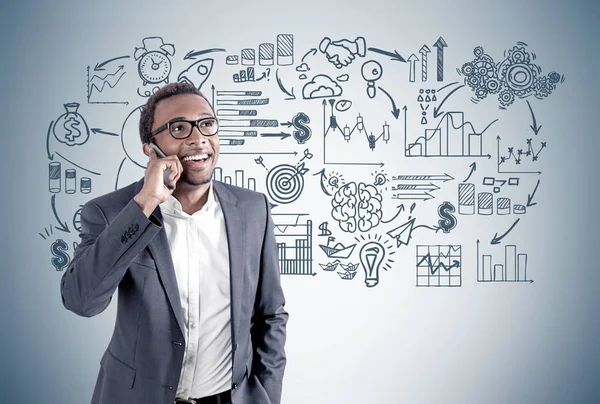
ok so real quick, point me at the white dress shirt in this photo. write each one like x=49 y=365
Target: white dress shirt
x=200 y=252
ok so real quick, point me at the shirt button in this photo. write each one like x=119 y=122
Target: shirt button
x=235 y=385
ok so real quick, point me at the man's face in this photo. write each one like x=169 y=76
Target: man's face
x=189 y=107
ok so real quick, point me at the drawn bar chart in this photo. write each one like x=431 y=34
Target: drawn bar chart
x=447 y=139
x=485 y=202
x=239 y=179
x=294 y=244
x=512 y=269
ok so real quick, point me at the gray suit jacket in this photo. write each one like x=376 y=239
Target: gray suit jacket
x=121 y=249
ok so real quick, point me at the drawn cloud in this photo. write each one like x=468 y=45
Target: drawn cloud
x=321 y=86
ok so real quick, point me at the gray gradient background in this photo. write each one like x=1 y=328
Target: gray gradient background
x=395 y=343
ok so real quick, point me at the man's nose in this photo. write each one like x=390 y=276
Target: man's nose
x=196 y=136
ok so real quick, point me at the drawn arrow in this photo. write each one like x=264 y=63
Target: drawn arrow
x=395 y=111
x=394 y=55
x=434 y=177
x=496 y=239
x=50 y=156
x=415 y=187
x=436 y=110
x=433 y=270
x=259 y=152
x=400 y=210
x=62 y=226
x=212 y=89
x=440 y=44
x=103 y=132
x=530 y=196
x=282 y=88
x=288 y=124
x=424 y=51
x=323 y=177
x=412 y=59
x=473 y=168
x=405 y=148
x=421 y=197
x=312 y=51
x=99 y=66
x=536 y=129
x=478 y=260
x=281 y=135
x=192 y=54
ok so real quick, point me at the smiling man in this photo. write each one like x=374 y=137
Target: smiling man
x=200 y=316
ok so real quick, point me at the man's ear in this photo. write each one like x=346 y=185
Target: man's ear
x=146 y=149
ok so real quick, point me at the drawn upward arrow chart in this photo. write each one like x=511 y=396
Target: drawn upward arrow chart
x=424 y=51
x=412 y=59
x=440 y=44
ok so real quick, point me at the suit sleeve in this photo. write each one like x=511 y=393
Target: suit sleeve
x=103 y=256
x=270 y=318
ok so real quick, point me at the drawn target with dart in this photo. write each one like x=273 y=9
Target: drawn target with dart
x=285 y=182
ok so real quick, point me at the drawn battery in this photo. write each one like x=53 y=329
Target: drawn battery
x=85 y=185
x=466 y=199
x=248 y=57
x=54 y=171
x=503 y=206
x=285 y=49
x=266 y=54
x=70 y=181
x=486 y=203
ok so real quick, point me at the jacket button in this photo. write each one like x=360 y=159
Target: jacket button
x=235 y=347
x=177 y=343
x=167 y=387
x=235 y=385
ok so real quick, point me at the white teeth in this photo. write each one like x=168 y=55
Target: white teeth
x=196 y=157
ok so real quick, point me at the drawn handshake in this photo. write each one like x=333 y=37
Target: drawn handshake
x=341 y=53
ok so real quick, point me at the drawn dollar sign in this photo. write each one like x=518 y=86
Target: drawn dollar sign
x=304 y=132
x=59 y=250
x=447 y=221
x=71 y=126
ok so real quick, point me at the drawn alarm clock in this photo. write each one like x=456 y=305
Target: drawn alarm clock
x=154 y=65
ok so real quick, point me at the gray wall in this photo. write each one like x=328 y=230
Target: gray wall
x=396 y=342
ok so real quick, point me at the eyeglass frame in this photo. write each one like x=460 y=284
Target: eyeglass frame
x=193 y=123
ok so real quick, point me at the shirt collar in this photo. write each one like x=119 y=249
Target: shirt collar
x=173 y=206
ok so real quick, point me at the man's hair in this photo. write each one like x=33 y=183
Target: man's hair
x=169 y=90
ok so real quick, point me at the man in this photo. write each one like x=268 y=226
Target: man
x=200 y=309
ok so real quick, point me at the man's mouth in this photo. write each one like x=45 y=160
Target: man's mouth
x=196 y=157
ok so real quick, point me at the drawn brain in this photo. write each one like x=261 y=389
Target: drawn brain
x=357 y=207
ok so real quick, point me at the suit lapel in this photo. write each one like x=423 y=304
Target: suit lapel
x=159 y=247
x=235 y=225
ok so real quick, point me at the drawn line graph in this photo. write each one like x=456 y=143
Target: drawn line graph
x=97 y=84
x=439 y=265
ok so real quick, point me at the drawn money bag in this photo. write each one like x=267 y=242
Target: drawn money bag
x=70 y=128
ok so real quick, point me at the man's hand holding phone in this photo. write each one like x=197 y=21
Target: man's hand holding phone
x=162 y=173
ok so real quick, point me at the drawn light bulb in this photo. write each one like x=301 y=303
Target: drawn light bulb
x=371 y=256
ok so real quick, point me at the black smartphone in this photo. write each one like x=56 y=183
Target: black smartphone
x=167 y=172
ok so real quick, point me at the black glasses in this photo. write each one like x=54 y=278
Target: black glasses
x=181 y=129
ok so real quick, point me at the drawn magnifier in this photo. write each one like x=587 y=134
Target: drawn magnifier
x=371 y=71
